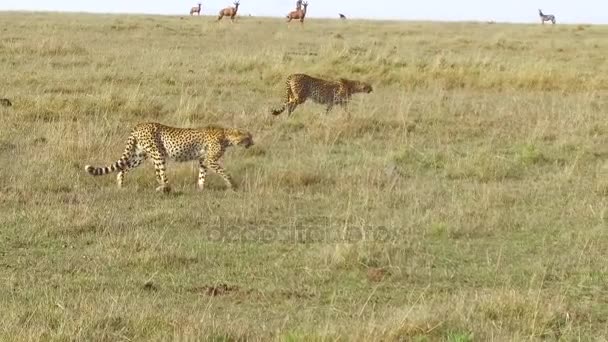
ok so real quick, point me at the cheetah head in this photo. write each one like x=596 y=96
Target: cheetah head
x=357 y=86
x=367 y=88
x=240 y=138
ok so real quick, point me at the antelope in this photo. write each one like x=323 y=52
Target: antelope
x=196 y=10
x=298 y=14
x=342 y=16
x=546 y=17
x=229 y=12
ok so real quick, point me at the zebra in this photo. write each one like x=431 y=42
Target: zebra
x=546 y=17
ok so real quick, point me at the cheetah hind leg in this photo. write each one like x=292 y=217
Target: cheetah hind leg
x=139 y=158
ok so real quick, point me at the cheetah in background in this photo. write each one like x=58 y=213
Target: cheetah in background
x=161 y=143
x=300 y=87
x=5 y=102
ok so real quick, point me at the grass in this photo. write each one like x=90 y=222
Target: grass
x=464 y=200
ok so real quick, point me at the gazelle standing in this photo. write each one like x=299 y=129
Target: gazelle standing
x=546 y=17
x=196 y=10
x=299 y=14
x=229 y=12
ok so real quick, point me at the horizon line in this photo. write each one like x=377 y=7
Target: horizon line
x=248 y=15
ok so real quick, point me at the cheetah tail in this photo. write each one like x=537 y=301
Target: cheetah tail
x=100 y=171
x=121 y=164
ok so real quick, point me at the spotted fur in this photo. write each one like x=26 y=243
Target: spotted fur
x=162 y=143
x=300 y=87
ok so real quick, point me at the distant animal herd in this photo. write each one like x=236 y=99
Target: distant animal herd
x=161 y=143
x=300 y=13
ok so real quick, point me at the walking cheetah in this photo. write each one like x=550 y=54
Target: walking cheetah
x=162 y=143
x=300 y=87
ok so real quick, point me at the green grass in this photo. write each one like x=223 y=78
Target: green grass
x=464 y=200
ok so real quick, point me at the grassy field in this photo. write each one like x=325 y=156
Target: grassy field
x=466 y=199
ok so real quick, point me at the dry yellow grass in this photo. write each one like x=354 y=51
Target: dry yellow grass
x=473 y=178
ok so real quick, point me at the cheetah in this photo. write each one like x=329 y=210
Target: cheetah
x=161 y=143
x=300 y=87
x=5 y=102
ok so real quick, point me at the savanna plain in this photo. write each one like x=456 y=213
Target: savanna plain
x=464 y=199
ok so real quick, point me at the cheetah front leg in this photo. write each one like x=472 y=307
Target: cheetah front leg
x=293 y=103
x=220 y=171
x=161 y=177
x=202 y=173
x=344 y=106
x=291 y=106
x=213 y=164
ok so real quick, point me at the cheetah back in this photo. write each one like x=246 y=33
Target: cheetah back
x=319 y=90
x=301 y=87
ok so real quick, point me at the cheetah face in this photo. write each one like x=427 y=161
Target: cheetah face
x=241 y=138
x=364 y=87
x=247 y=141
x=357 y=86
